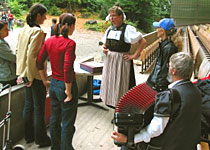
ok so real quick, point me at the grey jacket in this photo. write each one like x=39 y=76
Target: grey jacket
x=7 y=62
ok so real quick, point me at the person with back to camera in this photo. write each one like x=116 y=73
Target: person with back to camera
x=170 y=44
x=54 y=21
x=29 y=44
x=63 y=87
x=7 y=58
x=175 y=126
x=118 y=72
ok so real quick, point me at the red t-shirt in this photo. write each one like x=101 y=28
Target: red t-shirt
x=10 y=17
x=61 y=53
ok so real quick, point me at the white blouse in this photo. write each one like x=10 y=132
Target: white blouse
x=131 y=35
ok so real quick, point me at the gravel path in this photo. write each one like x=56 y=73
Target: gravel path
x=87 y=41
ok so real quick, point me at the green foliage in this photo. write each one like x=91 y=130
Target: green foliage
x=161 y=8
x=92 y=5
x=46 y=3
x=103 y=12
x=25 y=4
x=141 y=12
x=99 y=6
x=86 y=14
x=16 y=8
x=20 y=7
x=101 y=26
x=55 y=11
x=135 y=24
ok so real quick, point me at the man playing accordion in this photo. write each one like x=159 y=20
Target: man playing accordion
x=176 y=122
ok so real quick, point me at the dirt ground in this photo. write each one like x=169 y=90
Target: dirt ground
x=79 y=21
x=86 y=40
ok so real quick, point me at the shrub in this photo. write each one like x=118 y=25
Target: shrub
x=55 y=11
x=100 y=26
x=16 y=8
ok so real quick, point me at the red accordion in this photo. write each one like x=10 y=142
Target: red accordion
x=134 y=111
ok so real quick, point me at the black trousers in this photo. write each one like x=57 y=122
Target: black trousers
x=141 y=146
x=132 y=80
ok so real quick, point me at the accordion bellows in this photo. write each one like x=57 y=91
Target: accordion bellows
x=134 y=111
x=136 y=100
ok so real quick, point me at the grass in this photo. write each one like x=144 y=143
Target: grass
x=101 y=26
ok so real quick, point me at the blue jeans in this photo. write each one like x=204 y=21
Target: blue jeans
x=33 y=114
x=63 y=115
x=10 y=25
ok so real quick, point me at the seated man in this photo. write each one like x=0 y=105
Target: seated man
x=167 y=132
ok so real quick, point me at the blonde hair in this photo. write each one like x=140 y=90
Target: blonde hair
x=175 y=36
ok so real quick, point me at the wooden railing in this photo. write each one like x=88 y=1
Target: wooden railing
x=148 y=55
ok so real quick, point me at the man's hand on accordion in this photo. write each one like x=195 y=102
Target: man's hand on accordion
x=119 y=137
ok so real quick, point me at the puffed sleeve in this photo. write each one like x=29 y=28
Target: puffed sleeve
x=163 y=104
x=131 y=35
x=104 y=37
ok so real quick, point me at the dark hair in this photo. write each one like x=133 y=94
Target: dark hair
x=3 y=23
x=33 y=12
x=65 y=20
x=54 y=20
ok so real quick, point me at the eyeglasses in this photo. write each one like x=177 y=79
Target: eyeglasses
x=113 y=16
